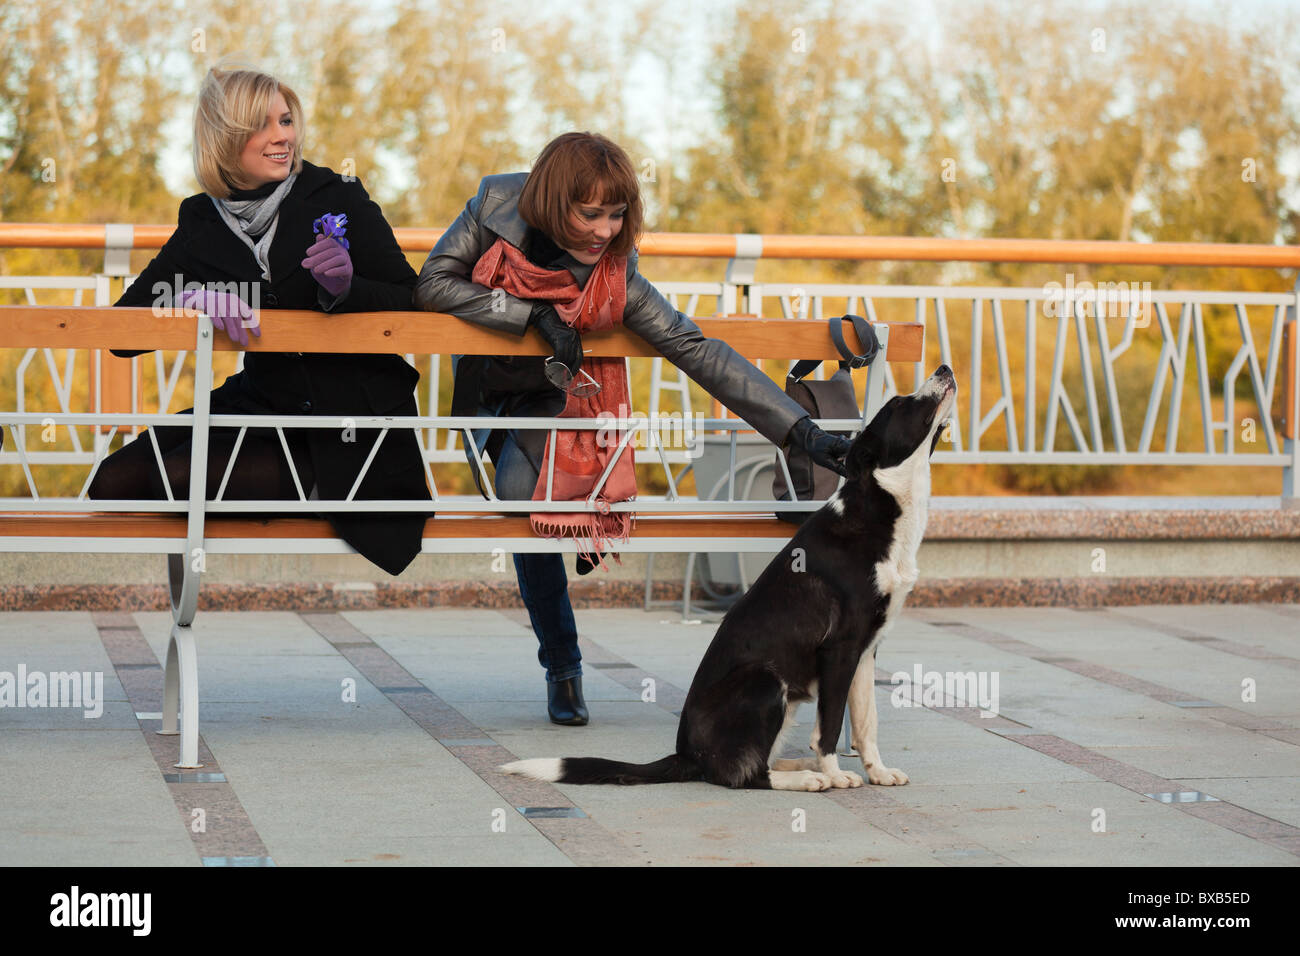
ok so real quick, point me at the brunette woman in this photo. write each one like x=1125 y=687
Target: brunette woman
x=554 y=249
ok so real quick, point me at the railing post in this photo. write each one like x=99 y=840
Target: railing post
x=119 y=240
x=1290 y=362
x=740 y=273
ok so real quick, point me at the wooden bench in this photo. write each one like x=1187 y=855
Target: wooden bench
x=186 y=531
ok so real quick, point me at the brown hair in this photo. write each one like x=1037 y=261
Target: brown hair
x=576 y=168
x=232 y=106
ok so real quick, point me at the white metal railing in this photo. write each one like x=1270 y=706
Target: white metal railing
x=1083 y=381
x=1072 y=335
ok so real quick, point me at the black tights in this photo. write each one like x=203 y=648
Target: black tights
x=260 y=470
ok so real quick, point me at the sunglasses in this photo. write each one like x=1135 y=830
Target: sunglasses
x=581 y=385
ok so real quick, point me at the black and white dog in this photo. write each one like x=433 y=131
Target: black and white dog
x=808 y=627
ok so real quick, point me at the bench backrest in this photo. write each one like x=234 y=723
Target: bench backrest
x=284 y=330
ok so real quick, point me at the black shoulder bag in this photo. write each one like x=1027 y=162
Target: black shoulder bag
x=832 y=398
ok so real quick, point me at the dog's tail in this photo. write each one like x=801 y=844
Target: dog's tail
x=671 y=769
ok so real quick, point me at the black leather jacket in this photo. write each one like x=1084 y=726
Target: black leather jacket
x=444 y=286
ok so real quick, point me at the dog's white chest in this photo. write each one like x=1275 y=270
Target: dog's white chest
x=909 y=483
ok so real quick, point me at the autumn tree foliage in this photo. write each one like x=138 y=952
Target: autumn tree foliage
x=1115 y=119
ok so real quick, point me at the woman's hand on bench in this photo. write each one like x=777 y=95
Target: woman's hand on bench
x=228 y=312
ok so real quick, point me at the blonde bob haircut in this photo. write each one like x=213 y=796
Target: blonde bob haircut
x=232 y=106
x=578 y=168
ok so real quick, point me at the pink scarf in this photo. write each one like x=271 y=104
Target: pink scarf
x=580 y=459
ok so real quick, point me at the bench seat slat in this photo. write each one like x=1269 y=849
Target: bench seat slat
x=131 y=525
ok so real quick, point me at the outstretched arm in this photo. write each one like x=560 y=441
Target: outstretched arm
x=711 y=363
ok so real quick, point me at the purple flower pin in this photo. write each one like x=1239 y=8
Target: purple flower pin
x=331 y=226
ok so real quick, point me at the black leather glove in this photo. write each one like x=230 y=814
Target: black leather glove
x=822 y=447
x=564 y=341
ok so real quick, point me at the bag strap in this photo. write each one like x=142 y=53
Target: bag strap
x=800 y=369
x=866 y=335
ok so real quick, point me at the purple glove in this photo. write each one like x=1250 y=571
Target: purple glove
x=228 y=312
x=330 y=265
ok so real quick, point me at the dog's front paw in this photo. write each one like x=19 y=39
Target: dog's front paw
x=885 y=776
x=799 y=780
x=846 y=779
x=818 y=781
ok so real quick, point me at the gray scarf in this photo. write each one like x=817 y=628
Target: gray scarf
x=256 y=217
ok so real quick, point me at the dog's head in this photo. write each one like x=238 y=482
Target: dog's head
x=907 y=426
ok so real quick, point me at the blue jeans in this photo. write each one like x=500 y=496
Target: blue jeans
x=543 y=583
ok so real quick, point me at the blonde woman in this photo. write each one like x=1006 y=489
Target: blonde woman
x=255 y=238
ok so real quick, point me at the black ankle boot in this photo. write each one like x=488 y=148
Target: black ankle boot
x=564 y=702
x=585 y=565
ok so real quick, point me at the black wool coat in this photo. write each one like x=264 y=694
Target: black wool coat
x=204 y=249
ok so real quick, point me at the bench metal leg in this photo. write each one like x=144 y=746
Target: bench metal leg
x=181 y=676
x=181 y=695
x=181 y=679
x=171 y=693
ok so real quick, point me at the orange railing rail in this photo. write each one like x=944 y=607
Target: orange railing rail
x=730 y=246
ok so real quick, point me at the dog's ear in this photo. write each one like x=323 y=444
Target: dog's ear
x=869 y=445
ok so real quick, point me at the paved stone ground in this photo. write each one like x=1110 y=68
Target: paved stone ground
x=1096 y=710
